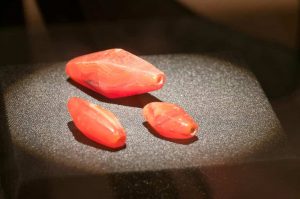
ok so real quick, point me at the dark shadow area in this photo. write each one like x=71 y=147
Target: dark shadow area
x=173 y=183
x=138 y=101
x=1 y=191
x=113 y=10
x=9 y=172
x=84 y=140
x=135 y=185
x=262 y=179
x=11 y=13
x=287 y=110
x=258 y=179
x=178 y=141
x=67 y=187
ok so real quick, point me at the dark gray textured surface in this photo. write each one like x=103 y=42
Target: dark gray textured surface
x=237 y=123
x=236 y=120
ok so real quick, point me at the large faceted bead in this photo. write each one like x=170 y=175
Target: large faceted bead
x=170 y=120
x=96 y=123
x=115 y=73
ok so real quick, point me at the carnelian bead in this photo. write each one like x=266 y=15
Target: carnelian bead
x=170 y=120
x=115 y=73
x=96 y=123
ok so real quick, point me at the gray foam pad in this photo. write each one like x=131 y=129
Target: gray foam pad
x=237 y=123
x=235 y=118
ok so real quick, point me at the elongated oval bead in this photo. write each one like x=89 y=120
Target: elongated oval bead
x=115 y=73
x=170 y=120
x=96 y=123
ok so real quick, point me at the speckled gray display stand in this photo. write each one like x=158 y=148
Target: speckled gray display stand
x=237 y=125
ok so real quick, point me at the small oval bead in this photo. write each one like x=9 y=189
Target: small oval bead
x=96 y=123
x=170 y=120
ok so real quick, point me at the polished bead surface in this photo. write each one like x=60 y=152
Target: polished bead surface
x=170 y=120
x=115 y=73
x=96 y=123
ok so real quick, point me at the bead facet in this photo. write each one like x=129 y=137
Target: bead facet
x=96 y=123
x=115 y=73
x=170 y=120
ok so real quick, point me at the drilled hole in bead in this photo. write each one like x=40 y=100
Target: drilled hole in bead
x=193 y=131
x=160 y=79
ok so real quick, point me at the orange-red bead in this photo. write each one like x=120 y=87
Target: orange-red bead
x=115 y=73
x=96 y=123
x=170 y=120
